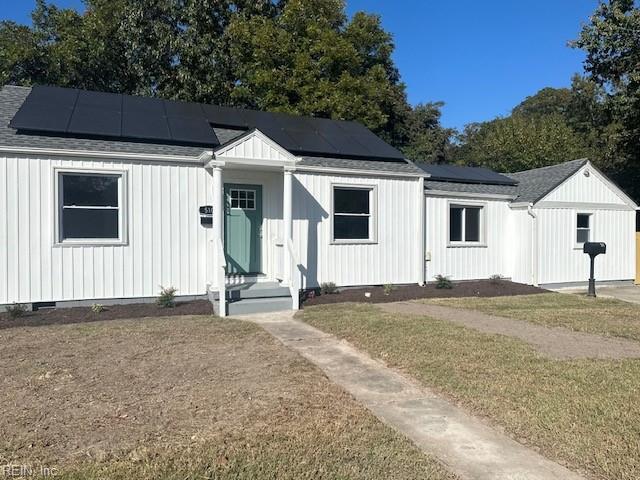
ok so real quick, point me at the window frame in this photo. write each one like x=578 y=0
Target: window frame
x=482 y=241
x=246 y=199
x=58 y=206
x=576 y=244
x=373 y=214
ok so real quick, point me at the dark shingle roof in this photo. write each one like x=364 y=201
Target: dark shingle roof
x=534 y=184
x=12 y=97
x=400 y=167
x=481 y=188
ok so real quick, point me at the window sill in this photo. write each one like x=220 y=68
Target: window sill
x=353 y=242
x=91 y=243
x=467 y=245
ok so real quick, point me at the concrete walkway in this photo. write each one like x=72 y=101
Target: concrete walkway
x=468 y=446
x=557 y=342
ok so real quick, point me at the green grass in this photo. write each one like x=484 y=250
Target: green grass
x=584 y=413
x=580 y=313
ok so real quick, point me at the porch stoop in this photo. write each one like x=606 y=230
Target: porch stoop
x=253 y=297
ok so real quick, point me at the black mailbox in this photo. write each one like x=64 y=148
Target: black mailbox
x=593 y=249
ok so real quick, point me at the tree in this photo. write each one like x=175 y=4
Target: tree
x=547 y=101
x=519 y=142
x=427 y=140
x=612 y=44
x=297 y=56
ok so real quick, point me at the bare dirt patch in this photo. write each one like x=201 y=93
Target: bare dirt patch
x=185 y=397
x=62 y=316
x=554 y=342
x=479 y=288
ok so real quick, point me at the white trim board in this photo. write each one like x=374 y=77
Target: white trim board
x=62 y=152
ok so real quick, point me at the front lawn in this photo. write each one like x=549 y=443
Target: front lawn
x=604 y=316
x=585 y=413
x=185 y=398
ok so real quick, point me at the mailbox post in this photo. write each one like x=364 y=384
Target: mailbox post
x=593 y=249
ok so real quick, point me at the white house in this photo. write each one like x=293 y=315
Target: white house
x=105 y=197
x=528 y=226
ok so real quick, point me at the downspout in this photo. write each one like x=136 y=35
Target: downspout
x=534 y=245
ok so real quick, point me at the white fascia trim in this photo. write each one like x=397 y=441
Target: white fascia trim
x=257 y=134
x=444 y=193
x=601 y=176
x=585 y=206
x=352 y=171
x=200 y=159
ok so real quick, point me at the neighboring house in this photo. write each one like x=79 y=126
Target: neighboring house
x=105 y=197
x=528 y=226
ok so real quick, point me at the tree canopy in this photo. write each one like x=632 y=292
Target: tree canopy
x=297 y=56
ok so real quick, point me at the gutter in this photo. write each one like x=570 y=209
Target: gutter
x=534 y=245
x=105 y=154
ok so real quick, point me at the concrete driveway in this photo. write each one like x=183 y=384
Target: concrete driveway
x=627 y=293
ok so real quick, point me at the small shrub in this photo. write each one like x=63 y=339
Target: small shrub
x=443 y=282
x=97 y=308
x=328 y=288
x=167 y=298
x=16 y=310
x=388 y=288
x=496 y=278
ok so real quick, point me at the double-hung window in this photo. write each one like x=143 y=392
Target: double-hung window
x=354 y=214
x=583 y=228
x=90 y=207
x=466 y=224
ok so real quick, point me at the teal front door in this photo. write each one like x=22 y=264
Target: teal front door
x=242 y=227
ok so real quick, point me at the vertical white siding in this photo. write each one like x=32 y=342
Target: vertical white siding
x=467 y=262
x=585 y=189
x=166 y=243
x=519 y=251
x=561 y=260
x=392 y=259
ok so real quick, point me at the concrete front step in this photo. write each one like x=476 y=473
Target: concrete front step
x=248 y=306
x=253 y=290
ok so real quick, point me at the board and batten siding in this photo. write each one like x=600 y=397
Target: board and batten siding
x=561 y=260
x=466 y=262
x=391 y=259
x=166 y=244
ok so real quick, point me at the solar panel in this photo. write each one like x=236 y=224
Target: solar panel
x=104 y=101
x=225 y=116
x=43 y=94
x=142 y=104
x=40 y=117
x=462 y=174
x=75 y=112
x=192 y=130
x=187 y=109
x=96 y=121
x=310 y=142
x=145 y=125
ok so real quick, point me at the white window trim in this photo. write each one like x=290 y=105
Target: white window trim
x=123 y=210
x=482 y=243
x=255 y=198
x=373 y=214
x=576 y=245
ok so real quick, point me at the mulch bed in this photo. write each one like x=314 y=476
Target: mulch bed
x=60 y=316
x=479 y=288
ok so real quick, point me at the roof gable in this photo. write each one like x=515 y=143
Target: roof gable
x=256 y=147
x=535 y=184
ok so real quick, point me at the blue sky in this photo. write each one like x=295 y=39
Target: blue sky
x=480 y=57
